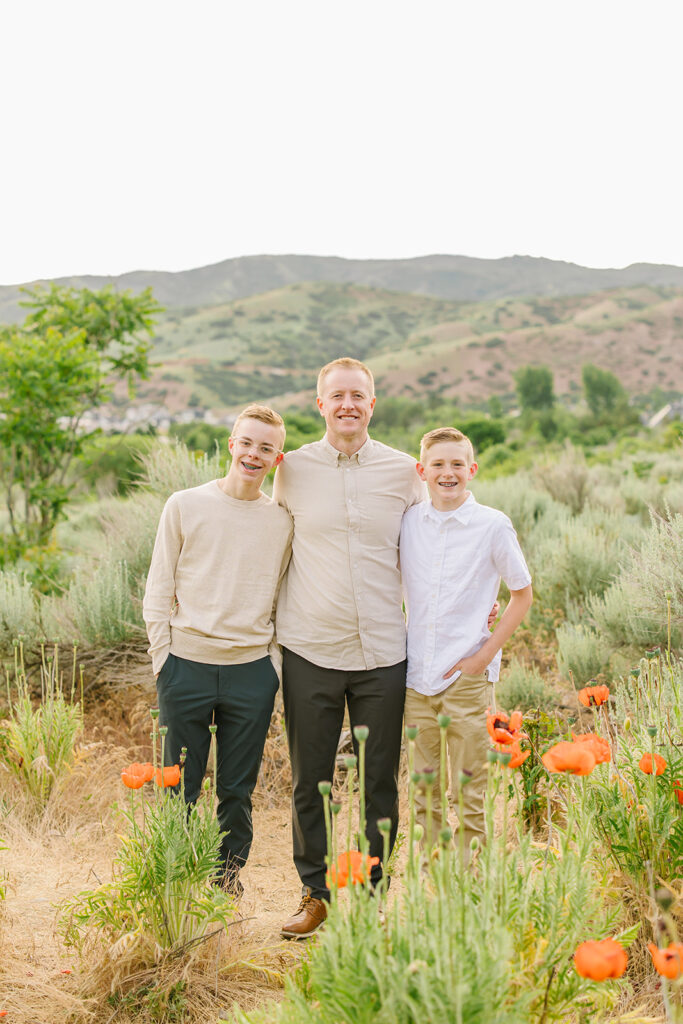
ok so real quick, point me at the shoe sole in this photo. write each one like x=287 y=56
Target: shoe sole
x=295 y=936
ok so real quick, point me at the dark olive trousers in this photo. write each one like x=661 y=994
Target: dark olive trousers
x=315 y=700
x=239 y=700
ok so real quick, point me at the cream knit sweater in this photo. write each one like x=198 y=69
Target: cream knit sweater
x=214 y=577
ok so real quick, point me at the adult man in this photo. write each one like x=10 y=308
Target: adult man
x=220 y=553
x=339 y=617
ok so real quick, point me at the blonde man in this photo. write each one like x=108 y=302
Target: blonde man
x=454 y=552
x=220 y=553
x=339 y=617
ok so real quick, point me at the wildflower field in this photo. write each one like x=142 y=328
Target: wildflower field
x=571 y=912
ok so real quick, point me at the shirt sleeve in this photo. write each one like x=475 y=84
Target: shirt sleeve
x=160 y=588
x=279 y=485
x=274 y=649
x=508 y=558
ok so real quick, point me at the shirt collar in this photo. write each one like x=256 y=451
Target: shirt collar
x=463 y=514
x=334 y=456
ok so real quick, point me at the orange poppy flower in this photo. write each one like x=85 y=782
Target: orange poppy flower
x=519 y=756
x=600 y=960
x=597 y=744
x=504 y=729
x=351 y=866
x=170 y=777
x=667 y=962
x=645 y=764
x=678 y=791
x=136 y=775
x=575 y=758
x=594 y=696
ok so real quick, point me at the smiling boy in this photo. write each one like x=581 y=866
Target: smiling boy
x=220 y=553
x=454 y=553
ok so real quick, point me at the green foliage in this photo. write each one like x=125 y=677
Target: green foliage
x=603 y=391
x=488 y=946
x=100 y=605
x=534 y=386
x=638 y=819
x=19 y=613
x=161 y=899
x=110 y=463
x=38 y=740
x=61 y=362
x=522 y=687
x=582 y=651
x=202 y=437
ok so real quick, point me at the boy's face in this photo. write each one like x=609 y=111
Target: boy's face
x=346 y=403
x=447 y=470
x=255 y=449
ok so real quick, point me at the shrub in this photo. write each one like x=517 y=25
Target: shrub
x=522 y=687
x=19 y=614
x=566 y=479
x=38 y=740
x=581 y=651
x=100 y=607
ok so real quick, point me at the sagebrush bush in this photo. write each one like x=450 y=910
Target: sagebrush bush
x=19 y=611
x=526 y=505
x=100 y=606
x=522 y=687
x=619 y=618
x=581 y=651
x=171 y=467
x=566 y=479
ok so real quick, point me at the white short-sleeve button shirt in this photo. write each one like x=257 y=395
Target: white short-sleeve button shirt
x=451 y=565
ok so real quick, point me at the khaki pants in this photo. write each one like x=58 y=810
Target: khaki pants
x=467 y=741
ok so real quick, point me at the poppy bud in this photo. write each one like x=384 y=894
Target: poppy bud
x=350 y=761
x=668 y=595
x=163 y=731
x=415 y=778
x=154 y=712
x=651 y=730
x=444 y=721
x=361 y=732
x=445 y=836
x=335 y=808
x=504 y=757
x=429 y=776
x=465 y=777
x=635 y=672
x=627 y=725
x=418 y=832
x=324 y=788
x=474 y=844
x=411 y=732
x=653 y=653
x=206 y=784
x=664 y=897
x=384 y=824
x=213 y=728
x=492 y=756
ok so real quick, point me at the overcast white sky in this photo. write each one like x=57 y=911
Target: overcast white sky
x=165 y=135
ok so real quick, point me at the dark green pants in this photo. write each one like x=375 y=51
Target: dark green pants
x=239 y=700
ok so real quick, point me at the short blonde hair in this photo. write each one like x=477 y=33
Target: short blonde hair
x=264 y=414
x=346 y=363
x=442 y=434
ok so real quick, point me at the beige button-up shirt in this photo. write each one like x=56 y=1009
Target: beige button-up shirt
x=340 y=605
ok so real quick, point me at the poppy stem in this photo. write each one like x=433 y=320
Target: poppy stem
x=411 y=808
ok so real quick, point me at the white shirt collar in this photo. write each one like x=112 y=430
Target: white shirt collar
x=462 y=514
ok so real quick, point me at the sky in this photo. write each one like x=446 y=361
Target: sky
x=169 y=134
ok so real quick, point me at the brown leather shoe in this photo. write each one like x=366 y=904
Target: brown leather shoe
x=308 y=918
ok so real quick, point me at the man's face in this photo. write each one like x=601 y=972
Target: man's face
x=447 y=470
x=255 y=449
x=346 y=403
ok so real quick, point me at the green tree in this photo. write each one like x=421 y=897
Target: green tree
x=602 y=390
x=64 y=360
x=534 y=386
